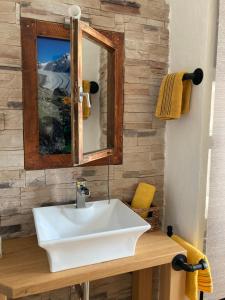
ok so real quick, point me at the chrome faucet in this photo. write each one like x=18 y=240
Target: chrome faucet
x=82 y=192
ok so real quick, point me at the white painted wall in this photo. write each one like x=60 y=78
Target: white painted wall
x=192 y=44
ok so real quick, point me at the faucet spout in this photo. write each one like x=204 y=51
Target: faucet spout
x=82 y=193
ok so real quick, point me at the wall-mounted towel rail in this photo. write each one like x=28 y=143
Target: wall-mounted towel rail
x=196 y=76
x=180 y=262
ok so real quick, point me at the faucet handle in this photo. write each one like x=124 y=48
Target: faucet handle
x=81 y=182
x=82 y=192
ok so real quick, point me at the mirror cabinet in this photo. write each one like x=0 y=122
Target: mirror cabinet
x=72 y=94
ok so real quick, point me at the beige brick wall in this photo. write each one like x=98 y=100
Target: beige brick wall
x=146 y=57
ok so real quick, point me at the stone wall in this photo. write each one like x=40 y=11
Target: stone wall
x=146 y=54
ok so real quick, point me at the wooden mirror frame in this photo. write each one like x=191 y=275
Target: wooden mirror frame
x=30 y=30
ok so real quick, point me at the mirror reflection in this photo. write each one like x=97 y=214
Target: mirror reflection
x=95 y=83
x=54 y=102
x=54 y=107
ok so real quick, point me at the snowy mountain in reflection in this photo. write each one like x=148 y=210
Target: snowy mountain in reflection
x=54 y=110
x=61 y=65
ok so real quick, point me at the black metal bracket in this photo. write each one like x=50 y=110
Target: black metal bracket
x=196 y=77
x=179 y=263
x=170 y=230
x=94 y=87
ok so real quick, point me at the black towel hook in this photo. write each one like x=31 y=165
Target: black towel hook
x=196 y=77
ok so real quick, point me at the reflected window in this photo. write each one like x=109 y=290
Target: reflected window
x=54 y=106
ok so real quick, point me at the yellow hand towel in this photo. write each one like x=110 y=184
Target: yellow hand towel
x=174 y=97
x=143 y=197
x=86 y=109
x=199 y=280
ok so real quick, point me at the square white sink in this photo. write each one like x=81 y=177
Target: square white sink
x=75 y=237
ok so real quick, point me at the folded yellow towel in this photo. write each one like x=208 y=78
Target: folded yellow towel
x=199 y=280
x=143 y=197
x=86 y=109
x=174 y=97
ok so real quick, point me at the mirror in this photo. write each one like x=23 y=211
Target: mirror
x=94 y=54
x=95 y=69
x=54 y=102
x=63 y=70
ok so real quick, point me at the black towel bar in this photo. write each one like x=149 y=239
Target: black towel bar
x=180 y=261
x=196 y=76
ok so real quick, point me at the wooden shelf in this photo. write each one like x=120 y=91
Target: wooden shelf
x=24 y=268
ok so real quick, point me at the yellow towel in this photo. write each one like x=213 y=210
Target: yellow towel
x=86 y=109
x=174 y=97
x=199 y=280
x=143 y=197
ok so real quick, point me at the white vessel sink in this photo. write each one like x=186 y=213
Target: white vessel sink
x=77 y=237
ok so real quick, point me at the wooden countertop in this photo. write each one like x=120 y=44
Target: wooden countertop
x=24 y=268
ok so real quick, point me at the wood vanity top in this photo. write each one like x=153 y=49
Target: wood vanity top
x=24 y=268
